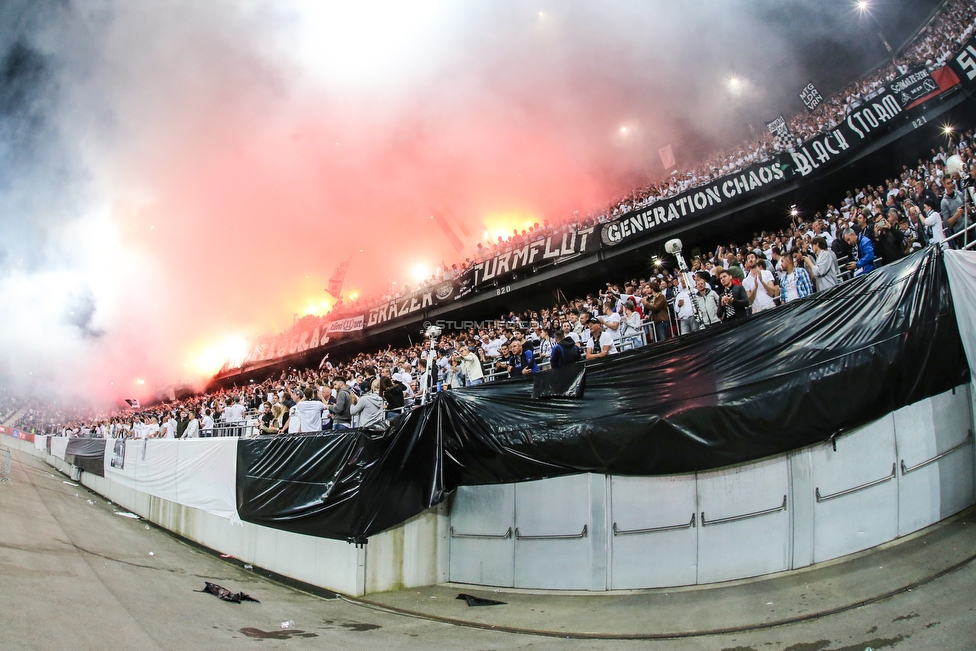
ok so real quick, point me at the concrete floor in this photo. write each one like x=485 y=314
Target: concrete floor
x=74 y=575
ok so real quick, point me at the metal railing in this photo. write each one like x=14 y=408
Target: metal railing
x=968 y=238
x=241 y=430
x=743 y=516
x=907 y=469
x=670 y=527
x=860 y=487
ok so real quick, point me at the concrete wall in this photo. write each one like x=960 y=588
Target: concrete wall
x=412 y=554
x=901 y=473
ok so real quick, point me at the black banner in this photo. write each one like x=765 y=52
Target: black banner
x=964 y=62
x=862 y=125
x=912 y=86
x=414 y=303
x=87 y=454
x=751 y=181
x=555 y=249
x=811 y=97
x=734 y=393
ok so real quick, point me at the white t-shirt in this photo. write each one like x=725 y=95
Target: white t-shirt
x=789 y=284
x=234 y=413
x=169 y=429
x=310 y=415
x=685 y=310
x=295 y=422
x=493 y=347
x=612 y=318
x=763 y=300
x=605 y=340
x=934 y=221
x=584 y=337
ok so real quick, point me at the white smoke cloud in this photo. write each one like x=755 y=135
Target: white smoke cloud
x=180 y=173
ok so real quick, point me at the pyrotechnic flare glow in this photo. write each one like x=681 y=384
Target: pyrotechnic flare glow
x=505 y=224
x=178 y=170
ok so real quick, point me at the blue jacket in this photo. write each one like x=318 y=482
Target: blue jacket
x=865 y=254
x=518 y=362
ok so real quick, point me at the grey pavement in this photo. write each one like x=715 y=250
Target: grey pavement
x=74 y=575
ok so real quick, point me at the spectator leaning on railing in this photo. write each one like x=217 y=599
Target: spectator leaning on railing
x=600 y=343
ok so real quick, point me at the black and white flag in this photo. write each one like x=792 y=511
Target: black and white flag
x=811 y=97
x=784 y=139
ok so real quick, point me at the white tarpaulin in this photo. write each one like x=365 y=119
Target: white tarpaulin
x=200 y=473
x=206 y=476
x=40 y=442
x=156 y=467
x=58 y=445
x=961 y=269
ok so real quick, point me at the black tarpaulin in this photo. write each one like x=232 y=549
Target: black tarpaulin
x=87 y=454
x=224 y=594
x=777 y=381
x=475 y=602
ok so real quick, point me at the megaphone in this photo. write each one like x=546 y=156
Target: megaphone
x=673 y=246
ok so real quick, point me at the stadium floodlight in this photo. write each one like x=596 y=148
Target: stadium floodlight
x=864 y=8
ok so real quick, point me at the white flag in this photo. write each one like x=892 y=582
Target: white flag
x=667 y=157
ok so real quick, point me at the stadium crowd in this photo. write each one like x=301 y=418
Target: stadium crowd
x=930 y=48
x=869 y=226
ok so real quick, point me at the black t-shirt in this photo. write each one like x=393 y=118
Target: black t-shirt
x=394 y=396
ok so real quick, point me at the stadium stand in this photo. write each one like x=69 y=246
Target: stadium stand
x=867 y=227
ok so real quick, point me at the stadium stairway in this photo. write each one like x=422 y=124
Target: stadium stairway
x=17 y=415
